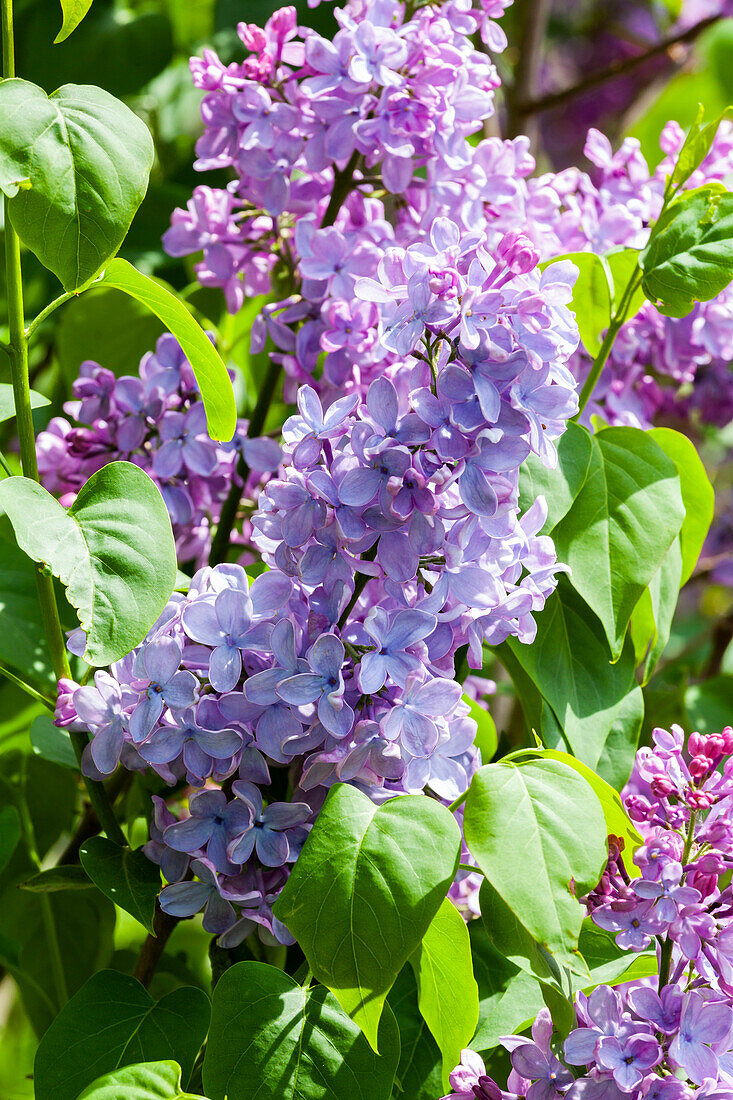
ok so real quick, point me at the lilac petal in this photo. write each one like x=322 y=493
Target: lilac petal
x=359 y=486
x=529 y=1061
x=372 y=673
x=190 y=835
x=580 y=1046
x=201 y=623
x=273 y=848
x=183 y=899
x=107 y=746
x=397 y=557
x=145 y=715
x=220 y=744
x=260 y=688
x=225 y=667
x=90 y=706
x=382 y=403
x=199 y=457
x=233 y=610
x=326 y=655
x=162 y=657
x=219 y=915
x=282 y=640
x=285 y=815
x=419 y=735
x=409 y=627
x=476 y=492
x=301 y=689
x=337 y=718
x=164 y=746
x=180 y=691
x=168 y=459
x=270 y=592
x=276 y=726
x=241 y=849
x=437 y=697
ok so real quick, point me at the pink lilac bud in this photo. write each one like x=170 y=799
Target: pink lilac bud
x=65 y=716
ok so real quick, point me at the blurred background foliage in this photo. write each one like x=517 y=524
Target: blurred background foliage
x=138 y=50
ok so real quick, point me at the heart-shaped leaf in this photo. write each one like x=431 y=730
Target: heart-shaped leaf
x=73 y=13
x=146 y=1081
x=364 y=890
x=447 y=990
x=113 y=1022
x=271 y=1037
x=697 y=494
x=128 y=878
x=620 y=526
x=113 y=549
x=560 y=485
x=537 y=831
x=75 y=167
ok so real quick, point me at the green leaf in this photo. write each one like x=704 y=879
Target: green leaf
x=7 y=404
x=210 y=372
x=651 y=620
x=364 y=890
x=22 y=639
x=271 y=1037
x=128 y=878
x=509 y=998
x=112 y=1022
x=697 y=145
x=64 y=877
x=708 y=705
x=419 y=1074
x=447 y=990
x=52 y=743
x=697 y=494
x=113 y=549
x=537 y=831
x=591 y=301
x=73 y=13
x=87 y=157
x=590 y=697
x=513 y=941
x=108 y=327
x=9 y=834
x=689 y=257
x=618 y=822
x=622 y=264
x=608 y=964
x=84 y=922
x=620 y=526
x=146 y=1081
x=561 y=485
x=486 y=739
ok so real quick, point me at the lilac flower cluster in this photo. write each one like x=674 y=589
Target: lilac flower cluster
x=155 y=419
x=670 y=1038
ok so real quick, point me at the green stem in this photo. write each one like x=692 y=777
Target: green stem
x=27 y=441
x=617 y=322
x=220 y=541
x=49 y=924
x=458 y=802
x=37 y=695
x=50 y=308
x=470 y=867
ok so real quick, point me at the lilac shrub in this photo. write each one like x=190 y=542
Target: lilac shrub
x=672 y=1036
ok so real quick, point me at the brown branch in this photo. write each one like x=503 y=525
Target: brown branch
x=534 y=16
x=532 y=106
x=152 y=949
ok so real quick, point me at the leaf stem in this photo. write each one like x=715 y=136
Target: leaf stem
x=27 y=439
x=617 y=322
x=458 y=802
x=50 y=308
